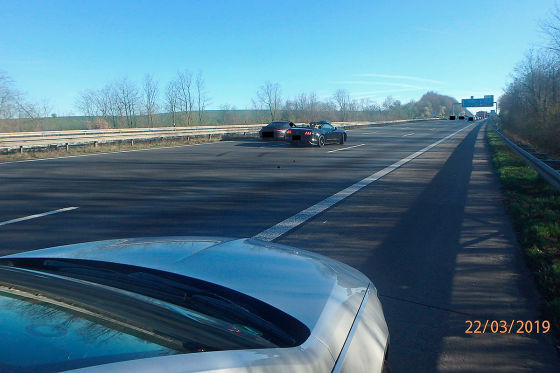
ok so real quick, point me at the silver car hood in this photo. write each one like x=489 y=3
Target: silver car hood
x=322 y=293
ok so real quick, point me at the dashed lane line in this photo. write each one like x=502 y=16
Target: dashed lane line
x=350 y=147
x=37 y=215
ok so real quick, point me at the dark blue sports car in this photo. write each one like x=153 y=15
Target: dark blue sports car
x=316 y=133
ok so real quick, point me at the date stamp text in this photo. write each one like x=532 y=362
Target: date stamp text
x=507 y=326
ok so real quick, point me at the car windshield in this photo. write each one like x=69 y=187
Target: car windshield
x=279 y=124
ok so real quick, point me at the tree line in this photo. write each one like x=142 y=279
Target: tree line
x=123 y=103
x=530 y=106
x=306 y=107
x=184 y=101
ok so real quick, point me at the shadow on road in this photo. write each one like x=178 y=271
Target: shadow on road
x=421 y=250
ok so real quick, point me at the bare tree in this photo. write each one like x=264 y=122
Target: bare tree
x=342 y=100
x=270 y=97
x=551 y=27
x=300 y=106
x=151 y=93
x=104 y=103
x=202 y=99
x=108 y=106
x=13 y=104
x=128 y=98
x=185 y=93
x=313 y=107
x=86 y=103
x=304 y=107
x=172 y=100
x=9 y=97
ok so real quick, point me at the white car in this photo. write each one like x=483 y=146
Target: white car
x=187 y=304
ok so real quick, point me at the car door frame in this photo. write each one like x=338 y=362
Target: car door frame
x=329 y=131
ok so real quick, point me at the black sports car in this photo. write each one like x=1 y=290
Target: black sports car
x=275 y=130
x=316 y=133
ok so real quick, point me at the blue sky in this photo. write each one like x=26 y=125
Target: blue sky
x=54 y=50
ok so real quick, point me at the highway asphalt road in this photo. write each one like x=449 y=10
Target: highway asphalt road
x=429 y=230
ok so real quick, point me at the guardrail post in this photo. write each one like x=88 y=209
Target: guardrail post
x=67 y=146
x=131 y=142
x=95 y=144
x=21 y=148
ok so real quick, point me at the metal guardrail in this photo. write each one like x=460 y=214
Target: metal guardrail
x=46 y=139
x=548 y=173
x=53 y=139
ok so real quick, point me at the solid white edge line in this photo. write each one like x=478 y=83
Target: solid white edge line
x=37 y=215
x=105 y=153
x=293 y=221
x=350 y=147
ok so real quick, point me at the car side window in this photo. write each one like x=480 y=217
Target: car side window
x=327 y=127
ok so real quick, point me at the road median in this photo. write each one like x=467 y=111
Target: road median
x=45 y=144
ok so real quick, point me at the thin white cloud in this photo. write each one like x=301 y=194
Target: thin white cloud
x=380 y=92
x=401 y=77
x=377 y=83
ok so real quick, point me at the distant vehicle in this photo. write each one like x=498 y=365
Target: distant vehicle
x=186 y=304
x=275 y=130
x=461 y=117
x=481 y=114
x=316 y=133
x=452 y=117
x=471 y=119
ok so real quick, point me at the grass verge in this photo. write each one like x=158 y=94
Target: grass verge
x=534 y=208
x=110 y=147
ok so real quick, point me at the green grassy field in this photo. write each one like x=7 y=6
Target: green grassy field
x=211 y=117
x=534 y=208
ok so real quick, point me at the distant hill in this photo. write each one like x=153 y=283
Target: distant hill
x=442 y=105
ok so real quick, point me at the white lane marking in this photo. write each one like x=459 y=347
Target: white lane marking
x=37 y=215
x=350 y=147
x=122 y=151
x=301 y=217
x=408 y=134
